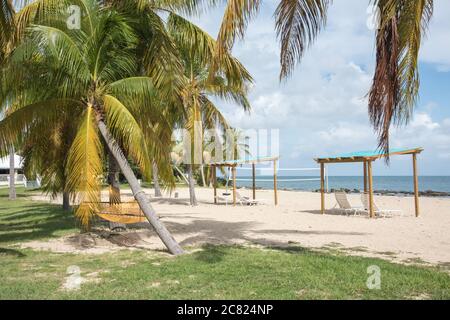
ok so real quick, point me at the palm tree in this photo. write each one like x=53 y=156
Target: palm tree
x=229 y=81
x=395 y=85
x=6 y=31
x=91 y=70
x=47 y=157
x=238 y=144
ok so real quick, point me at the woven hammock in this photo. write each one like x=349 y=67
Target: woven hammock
x=125 y=212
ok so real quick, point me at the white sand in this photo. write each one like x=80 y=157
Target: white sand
x=297 y=220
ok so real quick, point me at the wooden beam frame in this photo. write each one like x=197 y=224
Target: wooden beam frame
x=214 y=176
x=416 y=185
x=369 y=169
x=365 y=176
x=368 y=175
x=254 y=180
x=233 y=170
x=275 y=187
x=322 y=188
x=233 y=166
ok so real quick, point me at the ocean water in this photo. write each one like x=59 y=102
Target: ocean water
x=390 y=183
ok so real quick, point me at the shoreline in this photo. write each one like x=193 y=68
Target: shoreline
x=393 y=193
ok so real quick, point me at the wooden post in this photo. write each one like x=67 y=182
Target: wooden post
x=254 y=180
x=214 y=176
x=275 y=191
x=322 y=186
x=365 y=177
x=416 y=185
x=369 y=169
x=233 y=171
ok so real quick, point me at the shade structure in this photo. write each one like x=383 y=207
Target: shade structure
x=233 y=164
x=367 y=158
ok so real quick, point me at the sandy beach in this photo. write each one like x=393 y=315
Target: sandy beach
x=297 y=221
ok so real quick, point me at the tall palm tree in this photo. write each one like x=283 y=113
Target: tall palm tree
x=395 y=85
x=91 y=70
x=229 y=81
x=6 y=32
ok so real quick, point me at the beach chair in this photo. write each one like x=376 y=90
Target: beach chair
x=344 y=204
x=378 y=211
x=246 y=200
x=224 y=198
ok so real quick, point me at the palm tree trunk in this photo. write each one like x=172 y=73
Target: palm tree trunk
x=12 y=175
x=155 y=181
x=202 y=171
x=66 y=201
x=114 y=194
x=192 y=198
x=138 y=193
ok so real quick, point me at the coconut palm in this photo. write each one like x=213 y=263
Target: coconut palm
x=229 y=81
x=91 y=70
x=47 y=157
x=6 y=32
x=237 y=146
x=403 y=23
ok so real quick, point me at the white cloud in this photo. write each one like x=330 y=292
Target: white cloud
x=436 y=47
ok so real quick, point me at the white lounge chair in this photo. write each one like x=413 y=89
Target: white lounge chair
x=224 y=198
x=246 y=200
x=344 y=204
x=378 y=211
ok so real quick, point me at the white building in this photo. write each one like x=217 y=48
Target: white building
x=4 y=171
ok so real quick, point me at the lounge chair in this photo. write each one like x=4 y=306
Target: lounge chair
x=246 y=200
x=224 y=198
x=378 y=211
x=344 y=204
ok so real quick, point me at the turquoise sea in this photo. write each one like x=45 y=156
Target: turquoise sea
x=389 y=183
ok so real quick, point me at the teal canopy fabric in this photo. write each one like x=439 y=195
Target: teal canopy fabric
x=374 y=154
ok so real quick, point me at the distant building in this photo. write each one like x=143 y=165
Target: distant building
x=4 y=171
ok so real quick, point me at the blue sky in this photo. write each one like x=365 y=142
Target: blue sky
x=322 y=109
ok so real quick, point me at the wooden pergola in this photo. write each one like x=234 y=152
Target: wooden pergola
x=367 y=158
x=233 y=164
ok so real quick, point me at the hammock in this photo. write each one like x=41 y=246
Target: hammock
x=125 y=212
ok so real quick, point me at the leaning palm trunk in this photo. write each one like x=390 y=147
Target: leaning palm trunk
x=192 y=198
x=155 y=181
x=138 y=193
x=114 y=185
x=12 y=175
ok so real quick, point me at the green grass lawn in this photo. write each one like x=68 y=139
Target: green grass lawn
x=214 y=272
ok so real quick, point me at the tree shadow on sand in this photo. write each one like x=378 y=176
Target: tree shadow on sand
x=207 y=232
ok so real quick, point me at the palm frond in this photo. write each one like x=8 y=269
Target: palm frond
x=236 y=17
x=84 y=167
x=297 y=24
x=126 y=130
x=394 y=90
x=20 y=118
x=6 y=26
